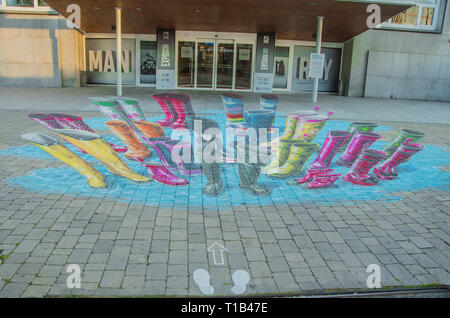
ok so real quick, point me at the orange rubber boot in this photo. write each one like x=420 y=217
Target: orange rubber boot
x=148 y=129
x=136 y=149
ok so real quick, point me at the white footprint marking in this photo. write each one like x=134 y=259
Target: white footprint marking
x=202 y=279
x=240 y=279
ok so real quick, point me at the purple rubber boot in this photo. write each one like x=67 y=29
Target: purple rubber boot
x=361 y=140
x=335 y=139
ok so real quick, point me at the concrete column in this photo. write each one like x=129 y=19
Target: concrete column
x=318 y=47
x=118 y=50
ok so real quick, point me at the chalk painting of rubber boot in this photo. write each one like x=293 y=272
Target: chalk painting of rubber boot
x=185 y=101
x=309 y=126
x=130 y=107
x=149 y=130
x=159 y=172
x=182 y=105
x=248 y=175
x=269 y=102
x=250 y=164
x=46 y=120
x=113 y=111
x=334 y=141
x=136 y=149
x=309 y=176
x=98 y=148
x=172 y=154
x=213 y=170
x=387 y=169
x=279 y=156
x=358 y=126
x=299 y=154
x=234 y=110
x=400 y=137
x=95 y=179
x=359 y=171
x=76 y=122
x=249 y=172
x=359 y=141
x=289 y=128
x=110 y=109
x=322 y=181
x=168 y=109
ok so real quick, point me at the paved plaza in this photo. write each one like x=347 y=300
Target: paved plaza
x=149 y=240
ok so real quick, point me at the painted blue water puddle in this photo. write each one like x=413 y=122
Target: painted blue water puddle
x=421 y=172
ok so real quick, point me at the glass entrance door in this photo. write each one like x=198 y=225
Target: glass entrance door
x=224 y=64
x=205 y=64
x=215 y=64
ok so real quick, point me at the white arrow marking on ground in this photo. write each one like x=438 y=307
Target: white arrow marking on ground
x=217 y=248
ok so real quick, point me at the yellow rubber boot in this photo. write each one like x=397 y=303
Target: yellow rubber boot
x=298 y=156
x=98 y=148
x=95 y=178
x=308 y=127
x=280 y=156
x=274 y=144
x=136 y=149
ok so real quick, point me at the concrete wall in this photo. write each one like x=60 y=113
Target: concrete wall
x=397 y=64
x=38 y=50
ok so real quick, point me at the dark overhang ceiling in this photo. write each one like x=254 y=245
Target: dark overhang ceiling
x=289 y=19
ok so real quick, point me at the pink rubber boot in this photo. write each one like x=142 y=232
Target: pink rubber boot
x=45 y=120
x=386 y=170
x=359 y=171
x=323 y=181
x=180 y=102
x=76 y=122
x=335 y=139
x=159 y=172
x=168 y=109
x=309 y=176
x=359 y=141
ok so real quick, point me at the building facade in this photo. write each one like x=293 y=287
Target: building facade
x=408 y=56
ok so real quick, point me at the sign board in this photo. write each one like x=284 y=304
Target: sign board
x=328 y=81
x=265 y=50
x=263 y=82
x=165 y=64
x=101 y=60
x=244 y=54
x=316 y=63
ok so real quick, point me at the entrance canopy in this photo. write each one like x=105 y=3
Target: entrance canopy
x=289 y=19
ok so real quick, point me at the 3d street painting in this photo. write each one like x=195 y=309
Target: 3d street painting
x=314 y=160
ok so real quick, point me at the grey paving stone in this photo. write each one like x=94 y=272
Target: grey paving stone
x=112 y=279
x=134 y=282
x=259 y=269
x=400 y=273
x=13 y=290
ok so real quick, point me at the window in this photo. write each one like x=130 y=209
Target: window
x=34 y=5
x=419 y=17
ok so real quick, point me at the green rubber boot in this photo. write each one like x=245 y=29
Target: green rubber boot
x=400 y=137
x=357 y=126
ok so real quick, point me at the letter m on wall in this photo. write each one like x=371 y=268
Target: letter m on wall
x=95 y=61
